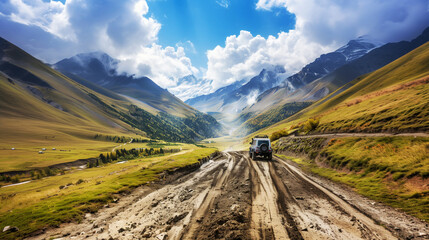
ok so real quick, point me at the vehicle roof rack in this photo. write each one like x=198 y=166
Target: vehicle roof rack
x=261 y=136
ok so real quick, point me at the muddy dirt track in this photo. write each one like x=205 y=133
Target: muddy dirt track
x=234 y=197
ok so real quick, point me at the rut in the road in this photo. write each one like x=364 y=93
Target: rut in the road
x=234 y=197
x=306 y=209
x=225 y=211
x=267 y=222
x=316 y=214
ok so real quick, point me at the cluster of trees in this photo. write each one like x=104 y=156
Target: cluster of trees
x=272 y=116
x=33 y=174
x=123 y=154
x=171 y=128
x=7 y=178
x=122 y=139
x=166 y=126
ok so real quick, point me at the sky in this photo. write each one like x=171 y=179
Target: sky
x=202 y=25
x=218 y=41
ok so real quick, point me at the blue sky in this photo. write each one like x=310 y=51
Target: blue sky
x=207 y=23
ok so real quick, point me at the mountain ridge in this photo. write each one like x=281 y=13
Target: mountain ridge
x=100 y=69
x=75 y=109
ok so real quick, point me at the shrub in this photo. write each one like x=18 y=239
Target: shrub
x=102 y=158
x=80 y=181
x=278 y=134
x=15 y=179
x=311 y=125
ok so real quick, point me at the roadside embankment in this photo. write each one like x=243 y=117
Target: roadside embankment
x=390 y=169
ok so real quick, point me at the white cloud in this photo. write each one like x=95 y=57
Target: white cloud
x=327 y=21
x=223 y=3
x=164 y=65
x=251 y=99
x=188 y=46
x=119 y=28
x=321 y=26
x=190 y=89
x=244 y=56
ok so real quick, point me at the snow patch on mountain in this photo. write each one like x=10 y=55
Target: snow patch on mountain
x=356 y=48
x=109 y=63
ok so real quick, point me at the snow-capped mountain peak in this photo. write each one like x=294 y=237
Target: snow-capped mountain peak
x=109 y=63
x=356 y=48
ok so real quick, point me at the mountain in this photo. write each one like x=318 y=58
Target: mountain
x=319 y=68
x=393 y=98
x=281 y=96
x=48 y=103
x=233 y=98
x=190 y=87
x=327 y=63
x=236 y=98
x=99 y=69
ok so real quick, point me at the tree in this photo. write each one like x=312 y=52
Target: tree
x=102 y=158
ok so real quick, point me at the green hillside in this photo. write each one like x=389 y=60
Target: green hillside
x=270 y=117
x=391 y=99
x=42 y=108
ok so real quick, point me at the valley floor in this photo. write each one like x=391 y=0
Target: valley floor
x=234 y=197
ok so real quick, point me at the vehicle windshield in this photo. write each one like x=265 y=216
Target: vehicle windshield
x=260 y=142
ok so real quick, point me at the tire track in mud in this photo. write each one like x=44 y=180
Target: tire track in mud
x=225 y=211
x=308 y=210
x=318 y=208
x=232 y=197
x=266 y=220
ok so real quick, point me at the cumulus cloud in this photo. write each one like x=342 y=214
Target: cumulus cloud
x=190 y=87
x=119 y=28
x=244 y=56
x=160 y=63
x=327 y=21
x=321 y=26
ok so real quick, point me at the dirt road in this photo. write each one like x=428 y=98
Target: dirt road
x=339 y=135
x=234 y=197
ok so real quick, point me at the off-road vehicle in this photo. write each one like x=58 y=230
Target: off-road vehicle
x=260 y=146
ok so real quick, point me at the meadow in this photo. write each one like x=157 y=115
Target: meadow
x=50 y=201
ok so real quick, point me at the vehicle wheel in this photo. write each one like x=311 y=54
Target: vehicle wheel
x=253 y=156
x=270 y=157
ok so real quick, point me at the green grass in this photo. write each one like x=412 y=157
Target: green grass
x=406 y=155
x=393 y=170
x=42 y=203
x=396 y=110
x=26 y=154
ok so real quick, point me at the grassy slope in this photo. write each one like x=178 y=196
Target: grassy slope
x=382 y=94
x=41 y=203
x=29 y=122
x=271 y=116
